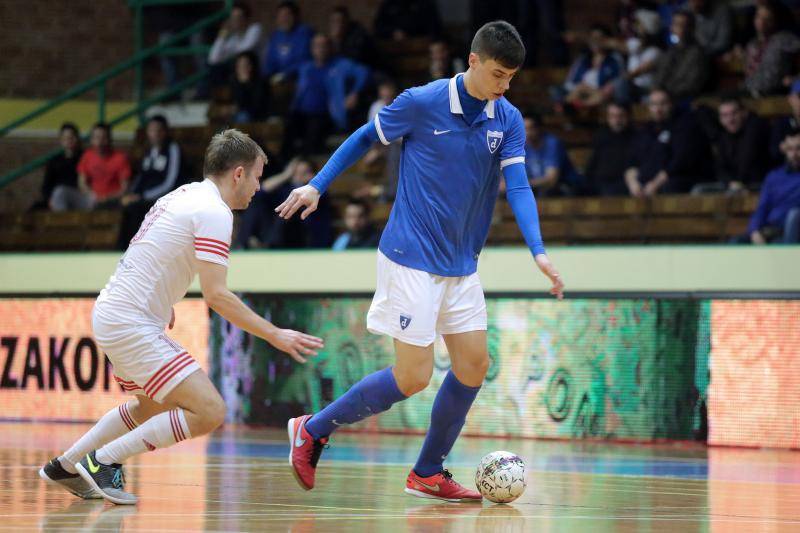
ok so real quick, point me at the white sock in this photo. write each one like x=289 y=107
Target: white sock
x=114 y=423
x=161 y=431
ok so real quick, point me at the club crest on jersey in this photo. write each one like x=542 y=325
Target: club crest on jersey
x=404 y=321
x=493 y=139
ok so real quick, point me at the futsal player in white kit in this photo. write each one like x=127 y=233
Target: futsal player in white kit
x=187 y=232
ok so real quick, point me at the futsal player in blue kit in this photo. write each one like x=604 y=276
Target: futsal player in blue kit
x=456 y=134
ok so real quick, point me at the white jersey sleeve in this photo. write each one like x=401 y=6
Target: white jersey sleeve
x=212 y=228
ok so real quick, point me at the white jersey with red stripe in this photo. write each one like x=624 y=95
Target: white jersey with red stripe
x=154 y=274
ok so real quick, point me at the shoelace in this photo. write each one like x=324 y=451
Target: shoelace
x=118 y=481
x=448 y=477
x=319 y=445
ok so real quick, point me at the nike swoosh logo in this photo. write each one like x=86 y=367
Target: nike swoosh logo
x=298 y=442
x=434 y=488
x=437 y=132
x=93 y=468
x=335 y=423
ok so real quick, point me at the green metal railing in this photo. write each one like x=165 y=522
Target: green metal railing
x=136 y=61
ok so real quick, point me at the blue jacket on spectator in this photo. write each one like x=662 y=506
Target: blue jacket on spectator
x=610 y=69
x=287 y=50
x=779 y=194
x=551 y=154
x=324 y=88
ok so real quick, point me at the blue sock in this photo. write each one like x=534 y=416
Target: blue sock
x=447 y=418
x=372 y=395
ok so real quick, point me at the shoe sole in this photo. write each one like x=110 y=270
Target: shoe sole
x=420 y=494
x=55 y=483
x=90 y=480
x=290 y=430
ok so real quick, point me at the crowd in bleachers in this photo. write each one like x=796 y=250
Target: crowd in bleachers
x=693 y=65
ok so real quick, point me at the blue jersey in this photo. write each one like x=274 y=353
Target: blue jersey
x=448 y=176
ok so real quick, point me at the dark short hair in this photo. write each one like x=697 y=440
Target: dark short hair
x=102 y=126
x=342 y=10
x=244 y=7
x=535 y=117
x=731 y=99
x=161 y=119
x=660 y=90
x=689 y=17
x=252 y=57
x=291 y=6
x=363 y=204
x=500 y=41
x=622 y=105
x=69 y=126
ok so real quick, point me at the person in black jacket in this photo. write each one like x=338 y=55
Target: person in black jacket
x=611 y=153
x=160 y=172
x=248 y=92
x=742 y=146
x=60 y=187
x=671 y=153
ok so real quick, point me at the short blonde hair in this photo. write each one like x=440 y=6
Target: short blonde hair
x=228 y=149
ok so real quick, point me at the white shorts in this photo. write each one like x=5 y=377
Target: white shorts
x=146 y=361
x=415 y=307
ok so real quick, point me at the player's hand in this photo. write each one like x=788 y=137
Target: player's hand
x=547 y=268
x=296 y=344
x=306 y=196
x=172 y=320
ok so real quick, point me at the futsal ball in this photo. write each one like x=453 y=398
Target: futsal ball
x=501 y=477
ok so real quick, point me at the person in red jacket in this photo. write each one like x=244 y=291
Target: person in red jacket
x=103 y=171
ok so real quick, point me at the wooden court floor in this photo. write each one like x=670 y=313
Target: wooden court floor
x=238 y=480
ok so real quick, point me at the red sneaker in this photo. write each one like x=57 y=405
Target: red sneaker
x=440 y=486
x=304 y=451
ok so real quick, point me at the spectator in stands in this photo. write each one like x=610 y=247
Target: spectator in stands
x=671 y=153
x=741 y=145
x=315 y=231
x=642 y=52
x=777 y=217
x=60 y=190
x=360 y=233
x=549 y=168
x=103 y=171
x=248 y=91
x=327 y=92
x=160 y=171
x=236 y=35
x=611 y=153
x=289 y=45
x=166 y=21
x=590 y=80
x=349 y=38
x=785 y=125
x=386 y=191
x=683 y=69
x=442 y=62
x=713 y=25
x=399 y=19
x=769 y=56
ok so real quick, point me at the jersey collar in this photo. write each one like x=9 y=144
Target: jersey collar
x=213 y=186
x=455 y=103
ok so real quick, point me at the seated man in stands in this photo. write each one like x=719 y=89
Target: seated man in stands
x=349 y=38
x=547 y=163
x=262 y=228
x=160 y=172
x=785 y=125
x=671 y=153
x=288 y=46
x=777 y=217
x=611 y=153
x=103 y=171
x=327 y=93
x=360 y=233
x=683 y=69
x=60 y=188
x=236 y=35
x=741 y=143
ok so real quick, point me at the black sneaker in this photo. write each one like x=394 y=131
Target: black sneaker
x=55 y=474
x=108 y=480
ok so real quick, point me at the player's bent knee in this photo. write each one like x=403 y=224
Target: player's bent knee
x=211 y=414
x=413 y=384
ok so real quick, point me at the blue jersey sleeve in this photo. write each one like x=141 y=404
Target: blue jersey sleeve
x=395 y=120
x=348 y=153
x=523 y=204
x=513 y=148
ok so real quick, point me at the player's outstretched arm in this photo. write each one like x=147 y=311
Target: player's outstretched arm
x=523 y=204
x=307 y=196
x=213 y=284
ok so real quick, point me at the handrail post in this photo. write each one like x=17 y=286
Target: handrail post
x=138 y=40
x=101 y=102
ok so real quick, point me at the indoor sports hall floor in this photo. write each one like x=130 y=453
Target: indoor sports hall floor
x=239 y=480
